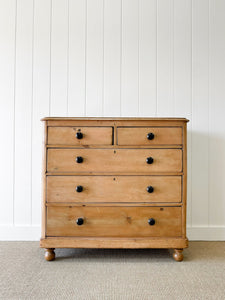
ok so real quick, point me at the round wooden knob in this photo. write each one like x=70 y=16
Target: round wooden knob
x=150 y=136
x=79 y=135
x=151 y=221
x=80 y=221
x=150 y=189
x=79 y=159
x=79 y=188
x=149 y=160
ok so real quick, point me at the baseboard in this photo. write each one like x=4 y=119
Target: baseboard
x=20 y=233
x=33 y=233
x=213 y=233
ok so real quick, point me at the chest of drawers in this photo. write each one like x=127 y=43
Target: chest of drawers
x=114 y=183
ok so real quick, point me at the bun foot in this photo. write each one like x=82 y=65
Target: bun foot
x=178 y=255
x=50 y=254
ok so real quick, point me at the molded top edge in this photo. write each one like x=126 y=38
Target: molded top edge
x=112 y=119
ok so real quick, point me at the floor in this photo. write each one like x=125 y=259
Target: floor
x=112 y=274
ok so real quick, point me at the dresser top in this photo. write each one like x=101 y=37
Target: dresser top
x=112 y=119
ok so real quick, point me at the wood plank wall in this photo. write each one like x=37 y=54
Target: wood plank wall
x=111 y=58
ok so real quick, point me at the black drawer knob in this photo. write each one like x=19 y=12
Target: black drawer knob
x=150 y=136
x=149 y=160
x=79 y=159
x=79 y=135
x=80 y=221
x=151 y=221
x=150 y=189
x=79 y=188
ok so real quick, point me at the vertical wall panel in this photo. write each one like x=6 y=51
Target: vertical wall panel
x=94 y=67
x=216 y=114
x=7 y=60
x=59 y=58
x=200 y=103
x=182 y=58
x=130 y=58
x=147 y=57
x=165 y=89
x=112 y=57
x=182 y=75
x=23 y=112
x=77 y=57
x=41 y=83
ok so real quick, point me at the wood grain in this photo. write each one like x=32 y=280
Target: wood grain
x=114 y=221
x=138 y=136
x=104 y=242
x=62 y=189
x=120 y=160
x=91 y=135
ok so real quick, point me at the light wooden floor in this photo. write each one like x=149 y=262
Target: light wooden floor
x=112 y=274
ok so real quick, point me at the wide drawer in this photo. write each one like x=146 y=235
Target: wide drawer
x=113 y=189
x=114 y=221
x=80 y=135
x=149 y=136
x=119 y=160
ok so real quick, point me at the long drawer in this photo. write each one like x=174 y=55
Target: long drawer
x=113 y=189
x=119 y=160
x=114 y=221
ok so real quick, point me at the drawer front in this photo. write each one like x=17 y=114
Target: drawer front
x=114 y=221
x=119 y=160
x=113 y=189
x=148 y=136
x=80 y=136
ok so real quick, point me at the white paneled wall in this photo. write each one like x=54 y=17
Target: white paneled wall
x=111 y=58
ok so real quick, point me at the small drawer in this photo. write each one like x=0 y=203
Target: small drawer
x=80 y=136
x=118 y=160
x=147 y=136
x=85 y=189
x=114 y=221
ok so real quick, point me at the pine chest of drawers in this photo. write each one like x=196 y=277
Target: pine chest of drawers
x=114 y=183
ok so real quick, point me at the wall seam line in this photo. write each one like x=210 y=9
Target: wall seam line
x=50 y=60
x=85 y=62
x=14 y=114
x=31 y=133
x=121 y=53
x=103 y=57
x=68 y=57
x=156 y=108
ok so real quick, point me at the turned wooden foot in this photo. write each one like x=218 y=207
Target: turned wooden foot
x=50 y=254
x=178 y=255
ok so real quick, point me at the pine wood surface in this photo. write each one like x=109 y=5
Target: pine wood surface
x=91 y=135
x=114 y=221
x=114 y=203
x=138 y=136
x=113 y=189
x=117 y=160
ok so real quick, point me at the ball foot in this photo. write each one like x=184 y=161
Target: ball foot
x=178 y=255
x=50 y=254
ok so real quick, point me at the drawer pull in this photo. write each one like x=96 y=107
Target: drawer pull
x=79 y=159
x=150 y=189
x=79 y=188
x=80 y=221
x=149 y=160
x=151 y=221
x=150 y=136
x=79 y=135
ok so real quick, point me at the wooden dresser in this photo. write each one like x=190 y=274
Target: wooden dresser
x=114 y=183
